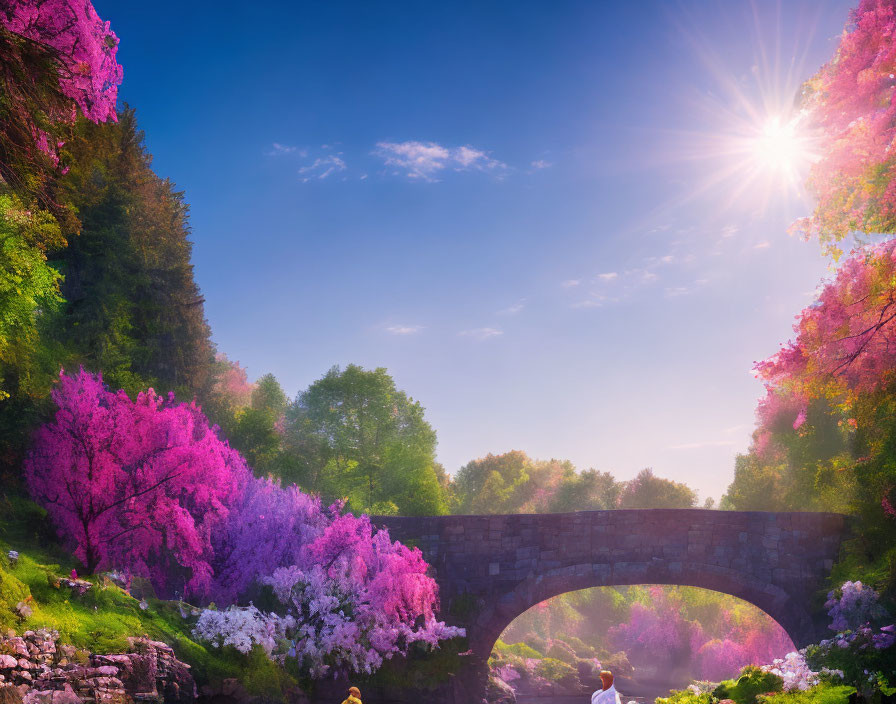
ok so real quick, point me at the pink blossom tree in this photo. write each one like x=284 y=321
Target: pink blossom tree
x=844 y=345
x=137 y=484
x=358 y=598
x=853 y=100
x=57 y=59
x=84 y=46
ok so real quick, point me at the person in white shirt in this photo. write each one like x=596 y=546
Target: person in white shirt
x=607 y=695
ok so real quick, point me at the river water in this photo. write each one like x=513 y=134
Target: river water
x=642 y=692
x=577 y=699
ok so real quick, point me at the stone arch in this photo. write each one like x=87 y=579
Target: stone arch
x=501 y=565
x=793 y=617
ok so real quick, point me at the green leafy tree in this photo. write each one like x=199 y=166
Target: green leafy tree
x=650 y=491
x=512 y=482
x=586 y=491
x=29 y=286
x=352 y=434
x=133 y=310
x=494 y=483
x=254 y=431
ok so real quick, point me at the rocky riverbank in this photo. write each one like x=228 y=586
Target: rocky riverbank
x=36 y=669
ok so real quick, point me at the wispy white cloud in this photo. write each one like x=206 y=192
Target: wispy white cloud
x=608 y=276
x=481 y=333
x=571 y=283
x=588 y=303
x=512 y=310
x=700 y=445
x=278 y=149
x=674 y=291
x=404 y=329
x=638 y=276
x=322 y=167
x=539 y=164
x=425 y=160
x=729 y=231
x=765 y=244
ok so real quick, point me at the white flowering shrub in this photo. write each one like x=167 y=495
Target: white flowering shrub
x=242 y=627
x=797 y=674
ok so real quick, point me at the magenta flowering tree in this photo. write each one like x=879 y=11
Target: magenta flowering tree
x=362 y=608
x=657 y=634
x=721 y=658
x=139 y=485
x=57 y=59
x=84 y=46
x=844 y=341
x=853 y=100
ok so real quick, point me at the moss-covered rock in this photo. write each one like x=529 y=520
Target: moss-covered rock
x=751 y=683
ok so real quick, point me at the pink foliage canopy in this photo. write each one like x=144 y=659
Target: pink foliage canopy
x=853 y=99
x=232 y=388
x=657 y=633
x=85 y=47
x=138 y=484
x=359 y=599
x=845 y=344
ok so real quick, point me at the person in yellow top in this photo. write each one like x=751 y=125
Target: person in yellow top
x=354 y=696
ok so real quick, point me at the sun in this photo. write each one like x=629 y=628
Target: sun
x=781 y=146
x=758 y=158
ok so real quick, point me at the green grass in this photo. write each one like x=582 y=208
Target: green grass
x=102 y=619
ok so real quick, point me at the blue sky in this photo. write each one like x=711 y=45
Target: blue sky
x=516 y=207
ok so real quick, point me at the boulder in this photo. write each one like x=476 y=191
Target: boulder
x=10 y=695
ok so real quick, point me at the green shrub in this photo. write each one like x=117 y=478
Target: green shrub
x=520 y=649
x=581 y=648
x=557 y=671
x=822 y=694
x=685 y=696
x=561 y=651
x=535 y=641
x=752 y=682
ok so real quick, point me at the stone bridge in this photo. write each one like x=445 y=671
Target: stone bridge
x=491 y=569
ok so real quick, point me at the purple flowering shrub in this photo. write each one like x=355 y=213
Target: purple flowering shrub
x=863 y=650
x=852 y=605
x=349 y=596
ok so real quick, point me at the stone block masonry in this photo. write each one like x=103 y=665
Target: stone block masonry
x=505 y=564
